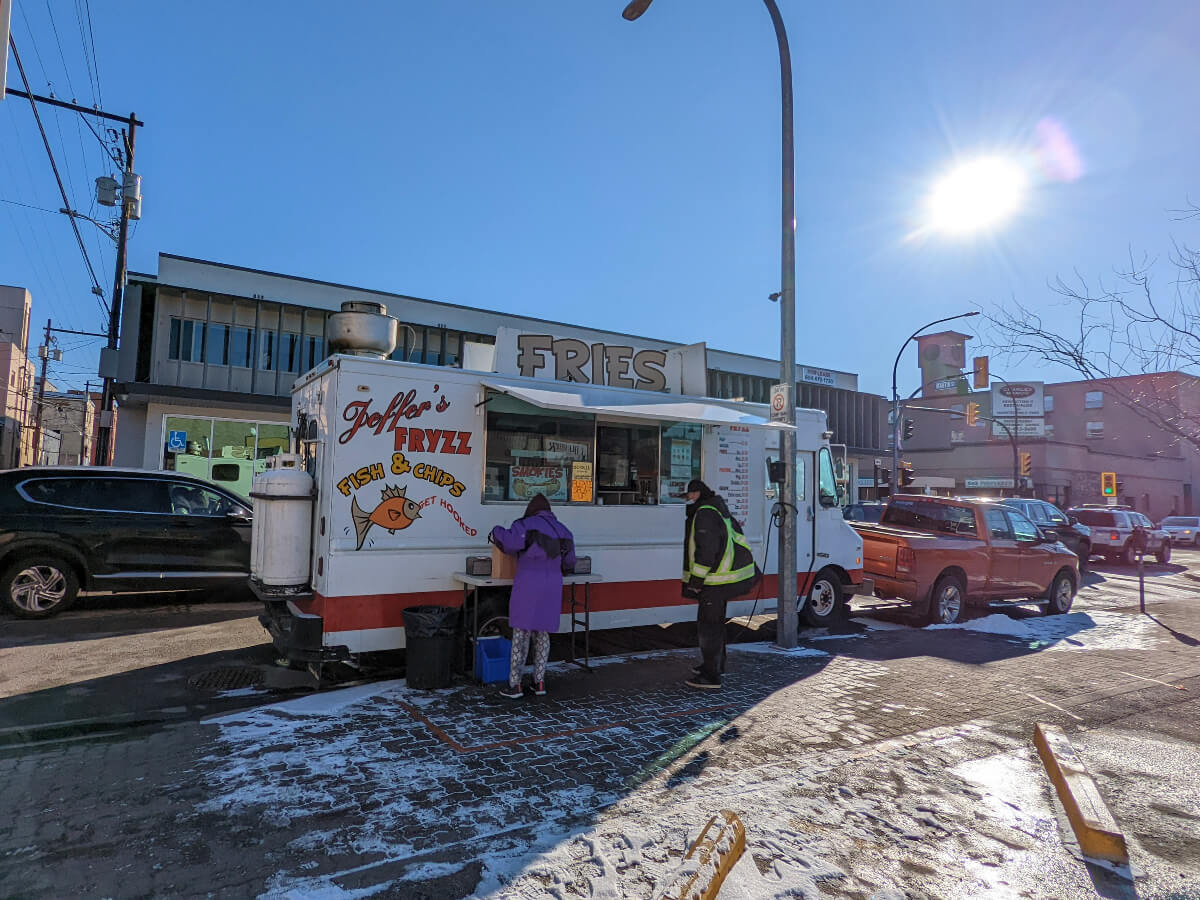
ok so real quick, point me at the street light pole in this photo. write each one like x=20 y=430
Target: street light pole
x=788 y=613
x=896 y=394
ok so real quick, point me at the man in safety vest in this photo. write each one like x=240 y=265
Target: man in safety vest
x=718 y=566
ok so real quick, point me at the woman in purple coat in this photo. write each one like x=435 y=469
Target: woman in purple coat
x=544 y=547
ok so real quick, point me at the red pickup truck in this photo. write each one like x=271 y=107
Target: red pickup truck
x=941 y=555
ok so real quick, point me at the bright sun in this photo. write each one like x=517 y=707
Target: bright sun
x=977 y=195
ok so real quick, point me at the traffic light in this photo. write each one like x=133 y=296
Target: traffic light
x=980 y=367
x=908 y=429
x=1026 y=464
x=972 y=413
x=1108 y=484
x=907 y=477
x=883 y=482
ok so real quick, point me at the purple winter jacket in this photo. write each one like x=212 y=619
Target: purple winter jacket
x=537 y=588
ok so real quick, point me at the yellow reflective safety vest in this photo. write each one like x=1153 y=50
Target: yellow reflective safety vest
x=735 y=564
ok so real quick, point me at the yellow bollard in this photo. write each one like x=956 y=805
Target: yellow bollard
x=700 y=875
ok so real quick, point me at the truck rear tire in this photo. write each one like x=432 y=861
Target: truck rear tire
x=947 y=600
x=824 y=601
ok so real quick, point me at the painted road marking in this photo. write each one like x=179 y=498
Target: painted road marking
x=1178 y=687
x=1053 y=706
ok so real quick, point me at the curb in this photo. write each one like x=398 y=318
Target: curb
x=1098 y=833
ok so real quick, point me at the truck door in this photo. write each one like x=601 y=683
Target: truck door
x=1037 y=562
x=1004 y=553
x=827 y=511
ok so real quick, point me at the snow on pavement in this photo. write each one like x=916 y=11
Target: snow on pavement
x=1093 y=630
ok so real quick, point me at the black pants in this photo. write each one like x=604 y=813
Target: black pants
x=710 y=625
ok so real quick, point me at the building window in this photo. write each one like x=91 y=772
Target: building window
x=1093 y=400
x=216 y=345
x=186 y=340
x=1047 y=403
x=679 y=462
x=1095 y=429
x=241 y=347
x=312 y=352
x=289 y=352
x=267 y=357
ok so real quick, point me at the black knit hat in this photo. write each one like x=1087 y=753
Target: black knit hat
x=538 y=504
x=698 y=486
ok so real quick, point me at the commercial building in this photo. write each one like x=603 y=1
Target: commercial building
x=1144 y=428
x=68 y=428
x=209 y=353
x=17 y=372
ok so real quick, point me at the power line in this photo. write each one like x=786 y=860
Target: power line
x=95 y=64
x=61 y=55
x=30 y=206
x=57 y=177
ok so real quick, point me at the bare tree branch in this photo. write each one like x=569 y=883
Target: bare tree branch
x=1127 y=325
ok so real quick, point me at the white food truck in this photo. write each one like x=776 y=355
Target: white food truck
x=411 y=466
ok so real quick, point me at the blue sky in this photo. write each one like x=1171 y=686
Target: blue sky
x=549 y=158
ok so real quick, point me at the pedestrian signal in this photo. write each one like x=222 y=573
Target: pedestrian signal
x=972 y=413
x=907 y=476
x=1108 y=484
x=1026 y=464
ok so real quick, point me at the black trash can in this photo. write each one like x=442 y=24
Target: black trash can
x=431 y=636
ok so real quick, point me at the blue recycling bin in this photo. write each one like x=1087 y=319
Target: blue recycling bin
x=492 y=655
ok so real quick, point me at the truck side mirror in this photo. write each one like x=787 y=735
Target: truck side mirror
x=1051 y=535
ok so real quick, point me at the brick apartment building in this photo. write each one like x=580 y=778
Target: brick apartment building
x=1136 y=426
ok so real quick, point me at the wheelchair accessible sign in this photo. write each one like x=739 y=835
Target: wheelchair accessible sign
x=176 y=441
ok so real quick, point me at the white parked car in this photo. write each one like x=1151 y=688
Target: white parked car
x=1184 y=530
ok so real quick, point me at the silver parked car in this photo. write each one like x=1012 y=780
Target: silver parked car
x=1184 y=530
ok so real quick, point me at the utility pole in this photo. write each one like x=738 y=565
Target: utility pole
x=108 y=356
x=44 y=352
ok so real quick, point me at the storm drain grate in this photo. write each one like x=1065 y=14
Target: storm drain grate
x=227 y=678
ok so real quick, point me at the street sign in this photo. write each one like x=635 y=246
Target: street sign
x=177 y=442
x=988 y=483
x=779 y=402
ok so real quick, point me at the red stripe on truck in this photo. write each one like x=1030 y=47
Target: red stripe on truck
x=362 y=611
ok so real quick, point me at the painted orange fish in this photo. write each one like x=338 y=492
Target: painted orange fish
x=394 y=512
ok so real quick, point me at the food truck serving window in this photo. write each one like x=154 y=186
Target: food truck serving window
x=571 y=458
x=531 y=451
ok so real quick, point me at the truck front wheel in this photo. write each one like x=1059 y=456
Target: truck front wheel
x=947 y=600
x=824 y=600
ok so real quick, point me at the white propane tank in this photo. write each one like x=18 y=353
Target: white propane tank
x=281 y=536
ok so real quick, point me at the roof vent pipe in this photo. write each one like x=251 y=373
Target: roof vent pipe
x=362 y=328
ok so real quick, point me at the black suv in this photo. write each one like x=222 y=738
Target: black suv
x=63 y=530
x=1077 y=536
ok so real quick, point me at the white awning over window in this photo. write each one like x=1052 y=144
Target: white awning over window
x=598 y=401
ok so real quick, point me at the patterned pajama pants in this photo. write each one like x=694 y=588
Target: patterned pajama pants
x=520 y=650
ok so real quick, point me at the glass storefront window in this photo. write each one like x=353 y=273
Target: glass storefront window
x=679 y=461
x=535 y=451
x=289 y=352
x=226 y=452
x=268 y=348
x=626 y=465
x=187 y=445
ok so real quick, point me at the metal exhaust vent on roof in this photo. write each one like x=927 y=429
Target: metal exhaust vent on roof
x=362 y=328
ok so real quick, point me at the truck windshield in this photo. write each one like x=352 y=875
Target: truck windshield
x=928 y=516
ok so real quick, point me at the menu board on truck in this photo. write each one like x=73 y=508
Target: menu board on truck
x=733 y=469
x=526 y=481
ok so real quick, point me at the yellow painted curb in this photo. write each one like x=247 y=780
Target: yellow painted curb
x=702 y=872
x=1098 y=833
